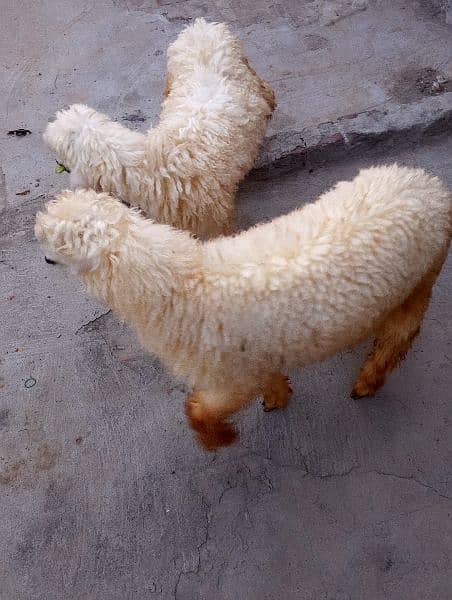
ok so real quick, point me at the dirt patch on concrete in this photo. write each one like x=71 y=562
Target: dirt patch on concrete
x=25 y=470
x=414 y=84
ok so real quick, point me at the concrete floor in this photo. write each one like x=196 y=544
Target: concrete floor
x=104 y=494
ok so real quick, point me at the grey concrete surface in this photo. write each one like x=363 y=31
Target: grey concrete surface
x=104 y=494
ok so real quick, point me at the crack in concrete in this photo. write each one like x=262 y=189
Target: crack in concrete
x=83 y=327
x=199 y=547
x=409 y=478
x=86 y=327
x=332 y=474
x=400 y=515
x=208 y=518
x=319 y=475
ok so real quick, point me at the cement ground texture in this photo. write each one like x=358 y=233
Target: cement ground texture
x=103 y=493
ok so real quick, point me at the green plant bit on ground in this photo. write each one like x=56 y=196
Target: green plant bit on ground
x=60 y=168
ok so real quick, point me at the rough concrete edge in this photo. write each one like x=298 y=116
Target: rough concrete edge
x=444 y=8
x=355 y=134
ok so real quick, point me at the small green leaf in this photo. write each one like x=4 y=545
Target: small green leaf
x=60 y=168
